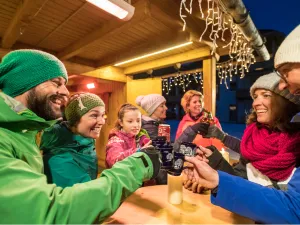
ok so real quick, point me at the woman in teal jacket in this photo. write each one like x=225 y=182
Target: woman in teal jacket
x=69 y=147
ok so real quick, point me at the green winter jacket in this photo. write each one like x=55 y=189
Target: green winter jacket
x=25 y=195
x=68 y=158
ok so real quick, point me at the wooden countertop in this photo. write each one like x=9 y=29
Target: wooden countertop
x=149 y=205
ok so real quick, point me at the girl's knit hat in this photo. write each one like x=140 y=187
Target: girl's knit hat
x=80 y=104
x=270 y=82
x=22 y=70
x=150 y=102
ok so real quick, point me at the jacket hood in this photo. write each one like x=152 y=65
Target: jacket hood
x=16 y=117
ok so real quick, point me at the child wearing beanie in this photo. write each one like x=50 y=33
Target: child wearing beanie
x=269 y=146
x=127 y=137
x=69 y=147
x=155 y=107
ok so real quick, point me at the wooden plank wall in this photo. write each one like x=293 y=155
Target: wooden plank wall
x=142 y=87
x=113 y=100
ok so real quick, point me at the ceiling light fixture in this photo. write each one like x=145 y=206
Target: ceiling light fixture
x=90 y=85
x=118 y=8
x=154 y=53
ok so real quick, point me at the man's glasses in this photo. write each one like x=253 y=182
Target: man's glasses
x=282 y=76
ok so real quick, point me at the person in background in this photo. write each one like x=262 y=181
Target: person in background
x=193 y=105
x=127 y=137
x=33 y=85
x=268 y=147
x=69 y=147
x=259 y=203
x=155 y=107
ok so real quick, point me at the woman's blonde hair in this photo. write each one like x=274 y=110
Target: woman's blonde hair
x=283 y=111
x=186 y=99
x=123 y=109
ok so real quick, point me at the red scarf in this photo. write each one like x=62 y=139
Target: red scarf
x=273 y=153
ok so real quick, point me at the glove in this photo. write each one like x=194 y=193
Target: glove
x=215 y=132
x=155 y=157
x=200 y=128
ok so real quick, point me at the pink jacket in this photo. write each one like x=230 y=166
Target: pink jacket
x=199 y=140
x=121 y=145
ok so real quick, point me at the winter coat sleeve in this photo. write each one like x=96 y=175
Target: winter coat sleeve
x=188 y=135
x=217 y=123
x=65 y=172
x=26 y=198
x=262 y=204
x=217 y=161
x=232 y=142
x=116 y=151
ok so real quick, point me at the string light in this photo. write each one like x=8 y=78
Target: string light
x=240 y=51
x=181 y=80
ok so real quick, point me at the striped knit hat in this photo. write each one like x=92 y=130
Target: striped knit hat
x=80 y=104
x=22 y=70
x=270 y=82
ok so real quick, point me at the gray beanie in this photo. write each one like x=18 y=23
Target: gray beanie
x=270 y=82
x=289 y=50
x=149 y=103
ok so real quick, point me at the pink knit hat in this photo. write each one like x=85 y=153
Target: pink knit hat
x=149 y=103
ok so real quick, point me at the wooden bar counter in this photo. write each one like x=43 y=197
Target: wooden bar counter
x=149 y=205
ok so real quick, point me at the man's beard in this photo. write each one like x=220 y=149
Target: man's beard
x=41 y=105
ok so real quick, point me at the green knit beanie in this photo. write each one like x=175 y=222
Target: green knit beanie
x=22 y=70
x=80 y=104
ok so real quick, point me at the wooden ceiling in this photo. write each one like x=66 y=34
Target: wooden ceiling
x=85 y=37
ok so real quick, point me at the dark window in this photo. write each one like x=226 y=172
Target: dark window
x=233 y=86
x=232 y=113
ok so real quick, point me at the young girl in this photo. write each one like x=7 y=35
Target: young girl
x=127 y=137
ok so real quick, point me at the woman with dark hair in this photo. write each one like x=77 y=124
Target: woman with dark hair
x=267 y=149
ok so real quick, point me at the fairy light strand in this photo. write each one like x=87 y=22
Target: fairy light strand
x=181 y=80
x=240 y=50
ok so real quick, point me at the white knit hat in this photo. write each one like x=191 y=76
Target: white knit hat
x=270 y=82
x=289 y=50
x=149 y=103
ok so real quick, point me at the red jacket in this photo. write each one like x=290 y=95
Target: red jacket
x=121 y=145
x=199 y=140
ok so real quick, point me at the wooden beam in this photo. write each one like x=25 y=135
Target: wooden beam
x=188 y=56
x=109 y=29
x=25 y=13
x=72 y=68
x=154 y=44
x=209 y=84
x=194 y=24
x=108 y=73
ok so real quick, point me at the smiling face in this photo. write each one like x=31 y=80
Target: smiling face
x=160 y=112
x=47 y=99
x=262 y=104
x=290 y=77
x=195 y=105
x=90 y=124
x=131 y=122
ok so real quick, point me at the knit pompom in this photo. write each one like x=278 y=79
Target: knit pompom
x=139 y=100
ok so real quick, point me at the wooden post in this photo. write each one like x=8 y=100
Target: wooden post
x=209 y=84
